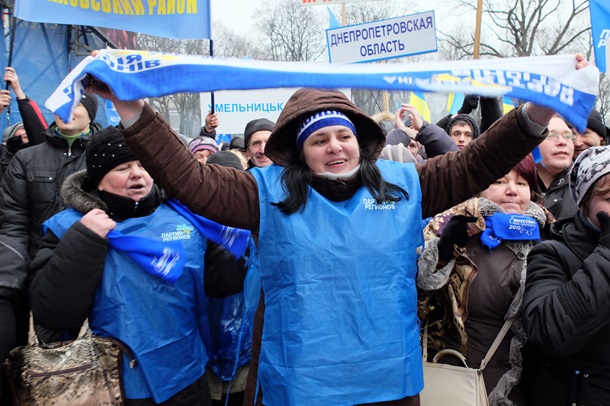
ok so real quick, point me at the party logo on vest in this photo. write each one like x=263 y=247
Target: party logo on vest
x=183 y=232
x=371 y=204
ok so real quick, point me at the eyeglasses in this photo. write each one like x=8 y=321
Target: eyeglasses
x=566 y=136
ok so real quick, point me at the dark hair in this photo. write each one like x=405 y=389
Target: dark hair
x=297 y=176
x=527 y=169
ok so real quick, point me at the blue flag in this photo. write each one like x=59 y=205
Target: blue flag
x=333 y=23
x=185 y=19
x=600 y=27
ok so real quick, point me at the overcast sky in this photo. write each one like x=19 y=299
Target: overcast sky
x=237 y=14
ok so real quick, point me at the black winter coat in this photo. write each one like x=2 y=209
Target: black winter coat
x=566 y=315
x=557 y=197
x=29 y=195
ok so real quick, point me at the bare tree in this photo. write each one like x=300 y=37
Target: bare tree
x=526 y=27
x=229 y=44
x=291 y=31
x=182 y=110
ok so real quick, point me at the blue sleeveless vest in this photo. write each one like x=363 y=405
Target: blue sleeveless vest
x=165 y=325
x=341 y=324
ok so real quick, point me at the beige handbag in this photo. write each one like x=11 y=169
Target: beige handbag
x=456 y=385
x=85 y=371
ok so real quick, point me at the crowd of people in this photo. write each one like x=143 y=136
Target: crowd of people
x=362 y=231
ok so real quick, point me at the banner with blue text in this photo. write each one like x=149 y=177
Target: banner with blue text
x=550 y=81
x=183 y=19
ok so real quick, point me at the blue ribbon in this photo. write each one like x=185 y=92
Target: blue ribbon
x=165 y=259
x=509 y=227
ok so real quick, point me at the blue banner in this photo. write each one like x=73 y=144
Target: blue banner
x=600 y=27
x=183 y=19
x=550 y=81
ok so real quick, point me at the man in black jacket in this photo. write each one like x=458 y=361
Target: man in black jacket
x=29 y=195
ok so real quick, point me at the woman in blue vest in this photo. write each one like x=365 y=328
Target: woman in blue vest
x=338 y=234
x=85 y=269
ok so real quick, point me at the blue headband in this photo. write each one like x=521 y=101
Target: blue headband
x=320 y=120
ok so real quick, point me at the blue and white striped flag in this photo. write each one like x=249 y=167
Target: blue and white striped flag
x=550 y=81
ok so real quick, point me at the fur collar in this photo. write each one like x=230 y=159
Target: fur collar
x=77 y=194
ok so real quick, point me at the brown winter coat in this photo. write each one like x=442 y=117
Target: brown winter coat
x=230 y=197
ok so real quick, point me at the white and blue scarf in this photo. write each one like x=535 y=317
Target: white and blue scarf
x=550 y=81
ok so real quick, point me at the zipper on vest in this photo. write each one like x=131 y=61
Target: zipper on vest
x=135 y=206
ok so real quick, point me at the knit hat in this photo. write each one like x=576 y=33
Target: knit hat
x=398 y=136
x=596 y=124
x=10 y=131
x=319 y=120
x=201 y=143
x=106 y=150
x=467 y=118
x=591 y=164
x=225 y=158
x=261 y=124
x=89 y=101
x=237 y=143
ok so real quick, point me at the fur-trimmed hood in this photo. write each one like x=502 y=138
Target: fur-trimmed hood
x=77 y=195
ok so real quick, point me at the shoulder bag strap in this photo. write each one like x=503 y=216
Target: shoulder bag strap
x=425 y=343
x=496 y=343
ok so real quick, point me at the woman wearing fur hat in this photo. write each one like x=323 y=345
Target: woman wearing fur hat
x=472 y=276
x=340 y=311
x=86 y=269
x=566 y=308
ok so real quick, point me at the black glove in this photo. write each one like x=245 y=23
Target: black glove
x=454 y=233
x=14 y=144
x=470 y=103
x=604 y=229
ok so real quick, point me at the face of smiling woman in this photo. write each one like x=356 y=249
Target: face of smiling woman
x=332 y=149
x=128 y=179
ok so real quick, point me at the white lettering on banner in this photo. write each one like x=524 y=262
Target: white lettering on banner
x=603 y=37
x=131 y=63
x=487 y=77
x=385 y=39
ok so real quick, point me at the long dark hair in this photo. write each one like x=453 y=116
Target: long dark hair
x=297 y=176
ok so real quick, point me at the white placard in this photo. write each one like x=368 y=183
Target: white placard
x=236 y=107
x=383 y=39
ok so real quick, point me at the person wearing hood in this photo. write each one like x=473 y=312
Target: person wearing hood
x=29 y=195
x=327 y=289
x=89 y=267
x=462 y=129
x=566 y=306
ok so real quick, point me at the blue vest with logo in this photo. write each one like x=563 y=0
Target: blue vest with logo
x=165 y=325
x=341 y=324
